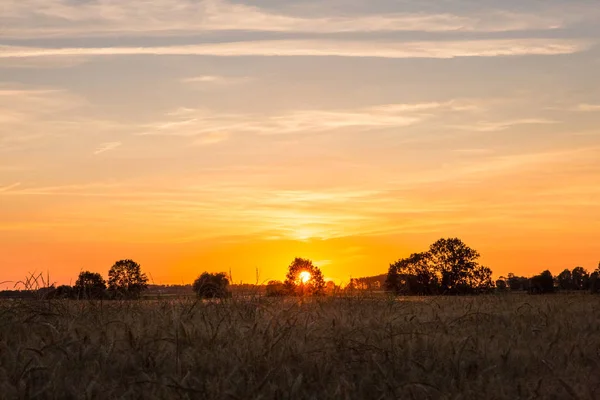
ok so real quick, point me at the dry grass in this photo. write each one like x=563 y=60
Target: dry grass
x=493 y=347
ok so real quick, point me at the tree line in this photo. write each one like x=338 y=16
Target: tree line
x=449 y=266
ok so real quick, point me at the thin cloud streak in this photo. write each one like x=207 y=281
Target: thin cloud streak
x=376 y=49
x=104 y=147
x=164 y=17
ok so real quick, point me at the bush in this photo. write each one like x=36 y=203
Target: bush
x=212 y=286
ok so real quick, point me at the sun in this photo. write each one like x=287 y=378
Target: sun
x=304 y=276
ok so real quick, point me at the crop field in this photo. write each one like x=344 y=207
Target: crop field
x=492 y=347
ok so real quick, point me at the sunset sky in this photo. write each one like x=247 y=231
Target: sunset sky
x=212 y=135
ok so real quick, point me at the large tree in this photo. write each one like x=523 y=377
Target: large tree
x=211 y=286
x=89 y=285
x=304 y=278
x=450 y=266
x=457 y=266
x=125 y=279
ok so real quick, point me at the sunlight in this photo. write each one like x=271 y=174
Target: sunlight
x=304 y=276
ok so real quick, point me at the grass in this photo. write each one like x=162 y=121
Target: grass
x=493 y=347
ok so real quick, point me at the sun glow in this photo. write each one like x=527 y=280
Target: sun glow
x=304 y=276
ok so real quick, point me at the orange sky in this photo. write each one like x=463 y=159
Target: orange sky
x=217 y=135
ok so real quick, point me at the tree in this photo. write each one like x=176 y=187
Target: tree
x=595 y=280
x=501 y=285
x=565 y=280
x=125 y=279
x=412 y=276
x=62 y=292
x=517 y=282
x=89 y=285
x=212 y=286
x=581 y=278
x=456 y=265
x=542 y=283
x=304 y=278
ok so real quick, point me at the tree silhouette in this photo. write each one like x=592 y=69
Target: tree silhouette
x=294 y=284
x=581 y=278
x=89 y=285
x=565 y=280
x=211 y=286
x=595 y=280
x=412 y=275
x=125 y=279
x=450 y=266
x=457 y=264
x=542 y=283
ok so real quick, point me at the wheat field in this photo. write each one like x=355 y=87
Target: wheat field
x=362 y=347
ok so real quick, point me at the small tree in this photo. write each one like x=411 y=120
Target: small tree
x=211 y=286
x=542 y=283
x=501 y=285
x=304 y=278
x=125 y=279
x=89 y=285
x=412 y=276
x=581 y=278
x=565 y=280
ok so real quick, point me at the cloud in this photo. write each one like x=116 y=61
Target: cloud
x=587 y=107
x=216 y=79
x=42 y=18
x=9 y=187
x=104 y=147
x=213 y=127
x=496 y=126
x=379 y=49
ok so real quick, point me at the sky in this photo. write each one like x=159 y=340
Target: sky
x=220 y=135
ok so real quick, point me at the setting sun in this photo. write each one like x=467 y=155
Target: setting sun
x=305 y=276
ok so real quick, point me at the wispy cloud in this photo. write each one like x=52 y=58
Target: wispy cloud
x=496 y=126
x=587 y=107
x=9 y=187
x=379 y=49
x=31 y=18
x=104 y=147
x=212 y=127
x=216 y=79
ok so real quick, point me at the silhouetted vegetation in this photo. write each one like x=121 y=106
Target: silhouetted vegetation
x=448 y=267
x=275 y=289
x=126 y=280
x=542 y=283
x=211 y=286
x=296 y=286
x=89 y=285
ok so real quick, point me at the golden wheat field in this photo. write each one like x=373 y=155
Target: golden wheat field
x=492 y=347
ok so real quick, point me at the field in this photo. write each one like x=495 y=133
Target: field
x=493 y=347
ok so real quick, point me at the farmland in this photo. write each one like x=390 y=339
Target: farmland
x=501 y=346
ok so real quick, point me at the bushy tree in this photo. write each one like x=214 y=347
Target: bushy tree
x=211 y=286
x=457 y=265
x=581 y=278
x=89 y=285
x=450 y=266
x=517 y=282
x=294 y=283
x=565 y=280
x=542 y=283
x=126 y=280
